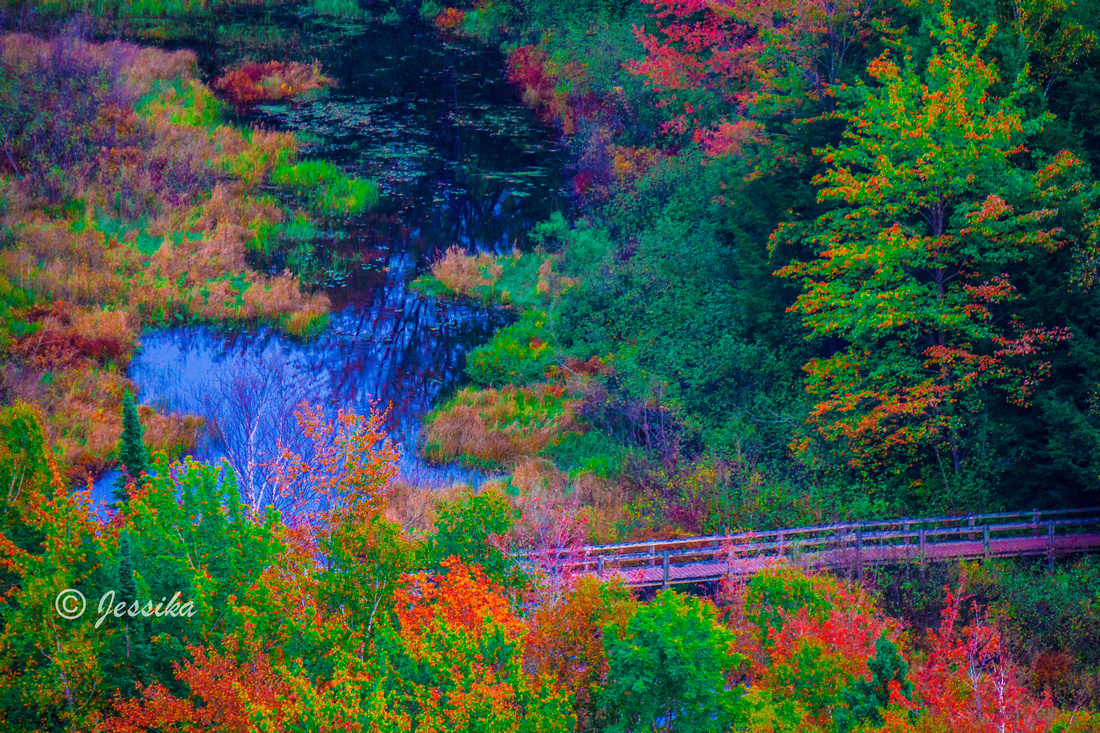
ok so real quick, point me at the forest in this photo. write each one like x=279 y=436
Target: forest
x=334 y=334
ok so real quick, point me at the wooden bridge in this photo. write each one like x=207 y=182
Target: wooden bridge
x=839 y=546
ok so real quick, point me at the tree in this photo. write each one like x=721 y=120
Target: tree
x=453 y=661
x=968 y=683
x=566 y=640
x=821 y=649
x=731 y=63
x=252 y=413
x=467 y=527
x=131 y=450
x=339 y=470
x=935 y=209
x=1047 y=35
x=865 y=699
x=51 y=670
x=667 y=668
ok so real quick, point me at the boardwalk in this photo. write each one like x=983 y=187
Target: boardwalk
x=840 y=546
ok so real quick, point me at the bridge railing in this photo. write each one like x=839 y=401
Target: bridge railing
x=850 y=545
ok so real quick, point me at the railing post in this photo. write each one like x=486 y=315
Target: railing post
x=779 y=540
x=599 y=566
x=652 y=554
x=664 y=572
x=970 y=525
x=985 y=540
x=859 y=551
x=923 y=541
x=841 y=553
x=1050 y=544
x=1034 y=522
x=905 y=535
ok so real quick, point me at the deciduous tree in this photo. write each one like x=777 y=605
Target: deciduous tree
x=729 y=64
x=936 y=208
x=668 y=665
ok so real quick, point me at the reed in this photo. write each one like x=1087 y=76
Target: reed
x=327 y=188
x=497 y=426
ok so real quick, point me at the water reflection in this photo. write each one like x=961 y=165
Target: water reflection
x=398 y=354
x=460 y=161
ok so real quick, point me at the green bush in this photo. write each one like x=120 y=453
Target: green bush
x=518 y=354
x=593 y=452
x=464 y=528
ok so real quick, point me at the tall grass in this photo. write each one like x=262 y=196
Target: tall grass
x=138 y=8
x=131 y=204
x=327 y=188
x=497 y=426
x=338 y=8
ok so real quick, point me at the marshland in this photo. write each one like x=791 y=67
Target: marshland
x=355 y=322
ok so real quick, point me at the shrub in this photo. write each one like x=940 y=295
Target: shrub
x=275 y=81
x=518 y=354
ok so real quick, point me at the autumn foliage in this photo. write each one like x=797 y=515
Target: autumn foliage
x=726 y=66
x=365 y=637
x=912 y=267
x=274 y=81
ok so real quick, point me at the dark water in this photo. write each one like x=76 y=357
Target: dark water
x=460 y=162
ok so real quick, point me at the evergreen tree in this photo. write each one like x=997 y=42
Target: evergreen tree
x=864 y=701
x=131 y=450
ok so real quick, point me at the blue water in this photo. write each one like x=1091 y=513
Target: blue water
x=460 y=161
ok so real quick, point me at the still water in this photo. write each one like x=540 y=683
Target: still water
x=460 y=161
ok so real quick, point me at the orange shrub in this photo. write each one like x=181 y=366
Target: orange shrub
x=449 y=19
x=274 y=81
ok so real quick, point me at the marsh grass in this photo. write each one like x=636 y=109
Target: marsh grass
x=128 y=204
x=338 y=8
x=497 y=426
x=327 y=188
x=520 y=279
x=251 y=83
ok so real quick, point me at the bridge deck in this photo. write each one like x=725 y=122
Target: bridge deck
x=699 y=559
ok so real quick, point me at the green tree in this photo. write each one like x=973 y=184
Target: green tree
x=667 y=668
x=51 y=660
x=466 y=527
x=188 y=537
x=131 y=450
x=364 y=565
x=938 y=208
x=864 y=700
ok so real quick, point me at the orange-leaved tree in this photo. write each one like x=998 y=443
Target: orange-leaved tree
x=344 y=472
x=453 y=661
x=240 y=687
x=936 y=210
x=566 y=640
